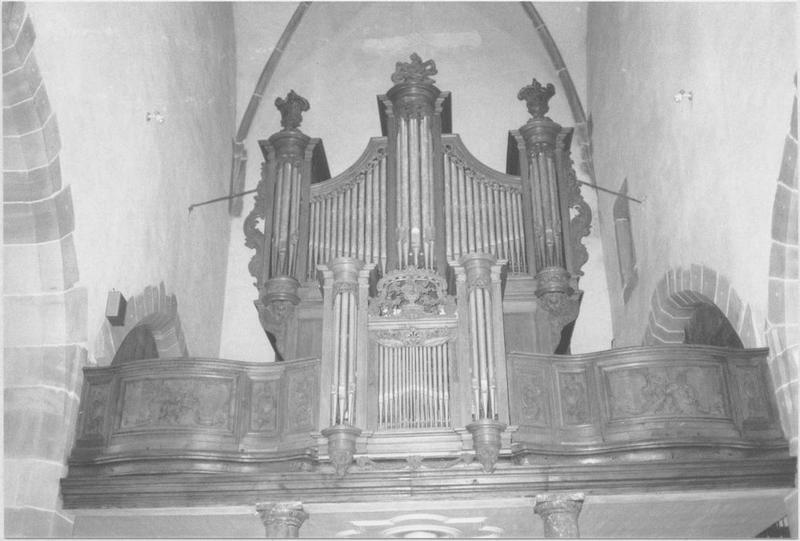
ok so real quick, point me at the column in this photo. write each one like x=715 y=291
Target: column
x=559 y=513
x=478 y=279
x=281 y=520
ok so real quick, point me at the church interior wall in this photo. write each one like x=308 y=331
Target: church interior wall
x=133 y=179
x=96 y=199
x=705 y=167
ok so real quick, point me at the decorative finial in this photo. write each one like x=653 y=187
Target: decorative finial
x=537 y=97
x=415 y=71
x=292 y=109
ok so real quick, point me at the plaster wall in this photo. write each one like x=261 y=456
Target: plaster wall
x=706 y=166
x=343 y=54
x=107 y=65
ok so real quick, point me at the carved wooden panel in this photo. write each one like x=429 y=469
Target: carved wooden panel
x=659 y=390
x=302 y=387
x=530 y=396
x=573 y=391
x=191 y=402
x=752 y=398
x=94 y=409
x=264 y=406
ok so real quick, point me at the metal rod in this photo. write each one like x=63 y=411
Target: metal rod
x=223 y=198
x=609 y=191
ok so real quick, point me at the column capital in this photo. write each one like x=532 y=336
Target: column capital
x=559 y=513
x=281 y=519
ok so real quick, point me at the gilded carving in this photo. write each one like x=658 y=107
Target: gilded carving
x=574 y=398
x=302 y=388
x=177 y=402
x=665 y=391
x=532 y=398
x=95 y=412
x=412 y=293
x=264 y=407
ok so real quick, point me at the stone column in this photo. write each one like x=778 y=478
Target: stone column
x=559 y=513
x=281 y=520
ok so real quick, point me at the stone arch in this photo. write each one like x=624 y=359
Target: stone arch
x=154 y=310
x=677 y=297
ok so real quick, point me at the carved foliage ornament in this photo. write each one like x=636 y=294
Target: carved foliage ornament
x=580 y=223
x=537 y=96
x=292 y=108
x=415 y=71
x=412 y=293
x=412 y=337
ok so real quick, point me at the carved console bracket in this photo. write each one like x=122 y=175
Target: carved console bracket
x=281 y=520
x=276 y=306
x=341 y=446
x=560 y=514
x=555 y=294
x=487 y=441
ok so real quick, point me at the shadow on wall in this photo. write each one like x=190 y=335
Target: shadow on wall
x=152 y=328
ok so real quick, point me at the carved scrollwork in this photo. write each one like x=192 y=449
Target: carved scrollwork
x=409 y=336
x=412 y=293
x=579 y=224
x=253 y=236
x=415 y=71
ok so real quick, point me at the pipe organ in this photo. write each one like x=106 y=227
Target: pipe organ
x=394 y=272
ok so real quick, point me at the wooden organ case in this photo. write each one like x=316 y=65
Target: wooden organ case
x=412 y=273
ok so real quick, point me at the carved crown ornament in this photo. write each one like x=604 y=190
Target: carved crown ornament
x=412 y=293
x=292 y=108
x=415 y=71
x=537 y=98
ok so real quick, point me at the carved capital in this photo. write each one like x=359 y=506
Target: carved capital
x=537 y=97
x=559 y=513
x=292 y=109
x=281 y=519
x=479 y=270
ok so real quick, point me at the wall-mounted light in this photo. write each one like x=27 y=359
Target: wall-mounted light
x=683 y=95
x=155 y=115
